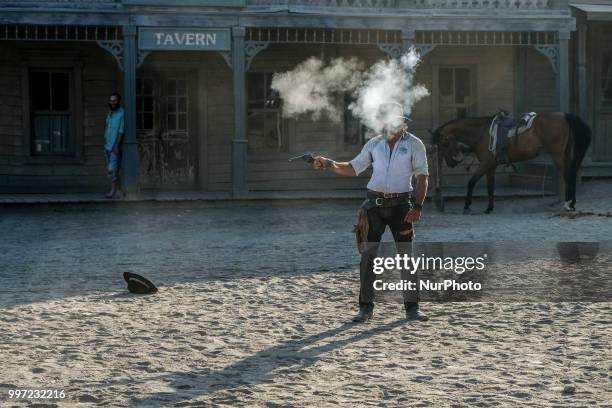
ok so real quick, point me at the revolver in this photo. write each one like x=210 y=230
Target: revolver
x=307 y=157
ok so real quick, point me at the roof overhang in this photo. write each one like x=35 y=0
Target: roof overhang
x=595 y=12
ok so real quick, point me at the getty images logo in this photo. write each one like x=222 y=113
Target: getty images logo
x=412 y=264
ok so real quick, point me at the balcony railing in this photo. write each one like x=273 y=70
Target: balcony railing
x=367 y=4
x=407 y=4
x=328 y=3
x=483 y=4
x=55 y=3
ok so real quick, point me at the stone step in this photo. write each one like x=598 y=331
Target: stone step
x=596 y=170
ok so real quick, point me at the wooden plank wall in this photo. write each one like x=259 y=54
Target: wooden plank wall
x=220 y=122
x=322 y=136
x=10 y=113
x=272 y=171
x=495 y=88
x=540 y=83
x=18 y=173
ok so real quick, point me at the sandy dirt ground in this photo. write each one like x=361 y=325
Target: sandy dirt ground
x=254 y=310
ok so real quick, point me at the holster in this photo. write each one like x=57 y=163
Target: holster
x=362 y=227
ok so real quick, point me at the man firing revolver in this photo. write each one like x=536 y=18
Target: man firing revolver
x=395 y=156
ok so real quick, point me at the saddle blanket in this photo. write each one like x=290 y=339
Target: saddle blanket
x=504 y=126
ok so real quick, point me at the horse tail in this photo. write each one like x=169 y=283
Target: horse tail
x=580 y=139
x=578 y=143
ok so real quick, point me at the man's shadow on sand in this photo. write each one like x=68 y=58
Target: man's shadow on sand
x=258 y=368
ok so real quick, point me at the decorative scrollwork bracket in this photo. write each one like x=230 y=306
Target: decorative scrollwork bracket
x=116 y=50
x=251 y=49
x=141 y=57
x=424 y=49
x=227 y=56
x=551 y=52
x=396 y=50
x=393 y=50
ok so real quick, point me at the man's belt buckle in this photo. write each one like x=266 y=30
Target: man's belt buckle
x=379 y=203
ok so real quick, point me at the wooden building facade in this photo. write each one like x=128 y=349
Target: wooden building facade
x=592 y=74
x=195 y=79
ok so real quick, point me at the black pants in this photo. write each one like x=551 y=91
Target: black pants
x=379 y=218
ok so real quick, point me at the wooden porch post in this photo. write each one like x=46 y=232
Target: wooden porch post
x=130 y=162
x=519 y=79
x=563 y=90
x=563 y=71
x=581 y=72
x=239 y=142
x=408 y=37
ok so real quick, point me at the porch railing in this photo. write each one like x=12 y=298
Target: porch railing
x=407 y=4
x=328 y=3
x=373 y=4
x=483 y=4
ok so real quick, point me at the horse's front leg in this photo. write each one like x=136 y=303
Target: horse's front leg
x=483 y=167
x=490 y=190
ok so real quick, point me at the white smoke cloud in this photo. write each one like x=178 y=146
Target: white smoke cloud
x=311 y=87
x=382 y=94
x=387 y=87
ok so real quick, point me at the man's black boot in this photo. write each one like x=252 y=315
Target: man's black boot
x=365 y=313
x=414 y=313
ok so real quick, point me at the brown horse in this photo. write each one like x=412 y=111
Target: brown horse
x=563 y=135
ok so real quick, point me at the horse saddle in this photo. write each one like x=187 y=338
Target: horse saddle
x=504 y=126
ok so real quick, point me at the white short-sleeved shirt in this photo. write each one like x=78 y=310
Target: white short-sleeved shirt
x=392 y=171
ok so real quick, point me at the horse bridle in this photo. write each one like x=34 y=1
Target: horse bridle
x=465 y=150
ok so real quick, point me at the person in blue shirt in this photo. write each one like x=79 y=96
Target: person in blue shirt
x=113 y=140
x=395 y=157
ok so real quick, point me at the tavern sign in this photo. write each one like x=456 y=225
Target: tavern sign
x=183 y=39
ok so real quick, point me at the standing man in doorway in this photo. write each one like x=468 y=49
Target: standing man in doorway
x=395 y=157
x=113 y=143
